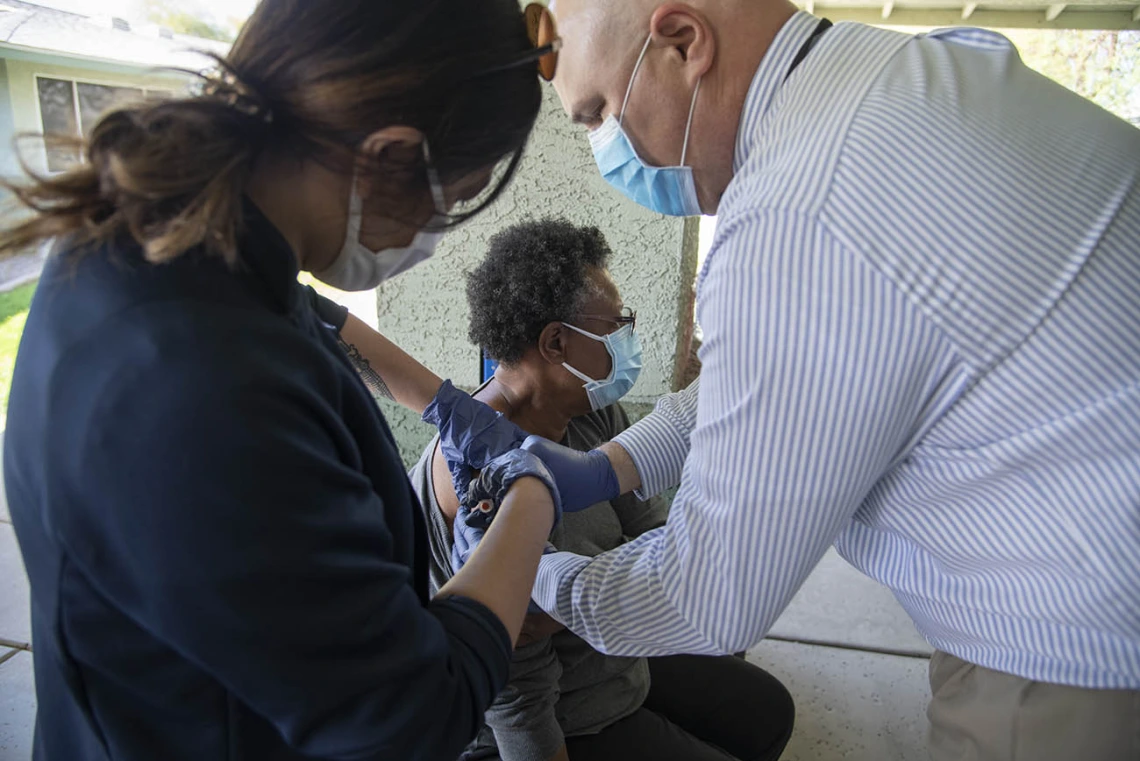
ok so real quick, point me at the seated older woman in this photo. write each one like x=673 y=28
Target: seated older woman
x=543 y=305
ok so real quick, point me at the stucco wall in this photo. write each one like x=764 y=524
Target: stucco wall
x=654 y=264
x=23 y=101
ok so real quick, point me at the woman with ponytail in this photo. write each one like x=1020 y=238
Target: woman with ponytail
x=225 y=555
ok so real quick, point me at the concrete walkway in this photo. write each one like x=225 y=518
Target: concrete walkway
x=849 y=655
x=17 y=694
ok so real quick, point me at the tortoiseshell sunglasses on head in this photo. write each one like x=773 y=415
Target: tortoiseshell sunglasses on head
x=544 y=37
x=543 y=33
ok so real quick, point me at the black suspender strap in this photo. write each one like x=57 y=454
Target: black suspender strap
x=820 y=28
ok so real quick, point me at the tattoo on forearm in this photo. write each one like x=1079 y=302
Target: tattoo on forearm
x=370 y=377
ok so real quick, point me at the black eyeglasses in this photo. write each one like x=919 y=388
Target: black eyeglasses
x=627 y=317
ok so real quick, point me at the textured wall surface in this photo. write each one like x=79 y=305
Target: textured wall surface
x=425 y=311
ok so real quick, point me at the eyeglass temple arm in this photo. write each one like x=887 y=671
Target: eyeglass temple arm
x=528 y=57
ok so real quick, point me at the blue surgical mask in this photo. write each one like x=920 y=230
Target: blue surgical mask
x=665 y=190
x=624 y=347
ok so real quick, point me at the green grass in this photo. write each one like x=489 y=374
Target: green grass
x=13 y=314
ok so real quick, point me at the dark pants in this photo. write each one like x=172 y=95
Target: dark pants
x=698 y=709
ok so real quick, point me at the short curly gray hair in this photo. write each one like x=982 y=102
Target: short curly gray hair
x=535 y=273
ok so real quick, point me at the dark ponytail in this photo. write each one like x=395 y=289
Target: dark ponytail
x=310 y=80
x=169 y=174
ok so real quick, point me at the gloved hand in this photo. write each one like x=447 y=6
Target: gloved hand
x=584 y=478
x=330 y=312
x=471 y=434
x=485 y=496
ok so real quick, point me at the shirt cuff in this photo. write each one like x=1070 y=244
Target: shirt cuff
x=658 y=448
x=553 y=588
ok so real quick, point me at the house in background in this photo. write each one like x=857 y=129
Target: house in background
x=59 y=71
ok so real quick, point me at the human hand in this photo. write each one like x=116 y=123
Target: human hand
x=583 y=478
x=486 y=494
x=471 y=434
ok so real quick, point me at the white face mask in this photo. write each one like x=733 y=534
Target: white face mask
x=359 y=268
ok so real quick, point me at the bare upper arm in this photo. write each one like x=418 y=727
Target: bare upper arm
x=441 y=484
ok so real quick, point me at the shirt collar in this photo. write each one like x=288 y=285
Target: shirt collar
x=769 y=77
x=267 y=259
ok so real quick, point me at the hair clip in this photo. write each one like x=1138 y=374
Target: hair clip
x=226 y=87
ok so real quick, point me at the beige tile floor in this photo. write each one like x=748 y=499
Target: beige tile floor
x=851 y=705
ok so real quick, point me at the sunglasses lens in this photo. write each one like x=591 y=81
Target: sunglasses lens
x=534 y=13
x=540 y=29
x=547 y=36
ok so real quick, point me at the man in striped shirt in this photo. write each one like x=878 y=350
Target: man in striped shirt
x=922 y=344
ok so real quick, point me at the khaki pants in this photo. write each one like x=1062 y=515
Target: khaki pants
x=977 y=714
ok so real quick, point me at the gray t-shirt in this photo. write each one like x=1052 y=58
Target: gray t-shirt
x=559 y=686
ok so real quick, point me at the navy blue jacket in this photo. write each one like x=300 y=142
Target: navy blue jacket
x=225 y=555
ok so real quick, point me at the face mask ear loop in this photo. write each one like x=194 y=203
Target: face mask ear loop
x=636 y=67
x=586 y=333
x=578 y=373
x=355 y=210
x=689 y=126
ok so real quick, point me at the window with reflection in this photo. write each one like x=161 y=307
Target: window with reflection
x=71 y=109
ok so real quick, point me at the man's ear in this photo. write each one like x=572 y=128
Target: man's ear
x=397 y=144
x=687 y=32
x=552 y=343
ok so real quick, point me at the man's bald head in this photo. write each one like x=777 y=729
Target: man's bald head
x=604 y=21
x=596 y=37
x=601 y=38
x=702 y=51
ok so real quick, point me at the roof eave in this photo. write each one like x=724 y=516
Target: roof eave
x=42 y=55
x=1058 y=16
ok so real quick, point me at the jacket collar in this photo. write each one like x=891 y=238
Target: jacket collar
x=267 y=259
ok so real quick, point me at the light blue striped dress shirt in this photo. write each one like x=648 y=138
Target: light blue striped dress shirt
x=922 y=343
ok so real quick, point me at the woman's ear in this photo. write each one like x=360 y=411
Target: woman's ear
x=398 y=144
x=396 y=135
x=552 y=343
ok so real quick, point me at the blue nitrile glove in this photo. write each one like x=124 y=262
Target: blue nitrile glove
x=471 y=434
x=486 y=496
x=584 y=478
